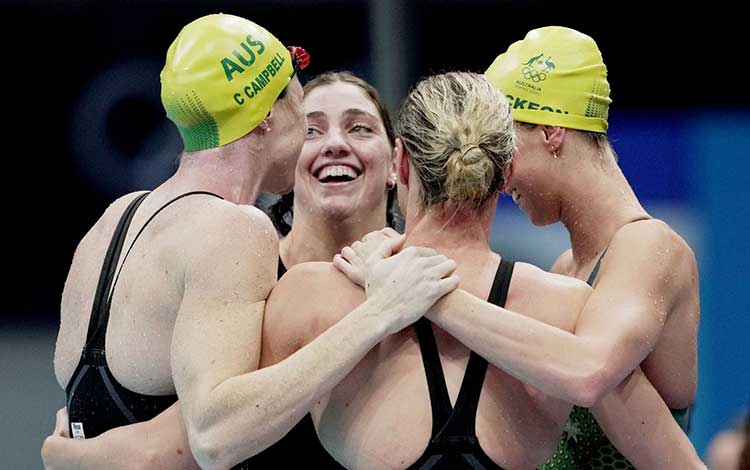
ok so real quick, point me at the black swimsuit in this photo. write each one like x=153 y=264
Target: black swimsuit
x=97 y=402
x=453 y=443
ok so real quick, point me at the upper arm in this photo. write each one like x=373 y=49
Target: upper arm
x=642 y=278
x=229 y=270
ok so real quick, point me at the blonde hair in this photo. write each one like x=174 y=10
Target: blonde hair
x=458 y=131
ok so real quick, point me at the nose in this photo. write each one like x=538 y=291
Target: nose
x=336 y=144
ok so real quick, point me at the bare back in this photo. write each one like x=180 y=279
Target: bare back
x=380 y=415
x=146 y=297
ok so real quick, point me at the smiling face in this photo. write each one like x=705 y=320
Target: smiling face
x=532 y=180
x=346 y=159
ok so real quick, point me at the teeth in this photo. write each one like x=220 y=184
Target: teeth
x=336 y=170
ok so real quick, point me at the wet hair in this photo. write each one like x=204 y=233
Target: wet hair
x=458 y=132
x=597 y=139
x=282 y=212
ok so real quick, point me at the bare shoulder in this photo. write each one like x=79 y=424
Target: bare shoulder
x=655 y=244
x=118 y=205
x=306 y=301
x=217 y=216
x=316 y=292
x=111 y=216
x=563 y=263
x=552 y=298
x=532 y=279
x=227 y=249
x=217 y=226
x=653 y=233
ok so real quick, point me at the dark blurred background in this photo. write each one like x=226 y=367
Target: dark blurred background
x=84 y=125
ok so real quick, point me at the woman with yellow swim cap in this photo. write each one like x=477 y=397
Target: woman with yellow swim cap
x=633 y=355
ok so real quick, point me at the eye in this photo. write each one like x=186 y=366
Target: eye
x=361 y=129
x=312 y=132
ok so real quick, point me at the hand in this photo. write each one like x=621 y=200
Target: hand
x=406 y=285
x=352 y=259
x=61 y=423
x=56 y=450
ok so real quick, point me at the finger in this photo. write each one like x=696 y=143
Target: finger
x=390 y=233
x=61 y=423
x=354 y=275
x=340 y=262
x=349 y=254
x=434 y=260
x=448 y=284
x=388 y=246
x=420 y=252
x=441 y=270
x=369 y=235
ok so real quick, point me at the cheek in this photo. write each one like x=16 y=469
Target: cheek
x=376 y=160
x=307 y=156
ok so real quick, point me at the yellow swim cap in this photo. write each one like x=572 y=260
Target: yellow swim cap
x=555 y=76
x=222 y=76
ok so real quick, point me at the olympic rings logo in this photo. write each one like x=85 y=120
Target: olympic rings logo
x=533 y=75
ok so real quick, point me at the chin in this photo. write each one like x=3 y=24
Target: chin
x=288 y=190
x=541 y=221
x=338 y=210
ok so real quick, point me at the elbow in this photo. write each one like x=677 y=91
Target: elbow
x=216 y=447
x=211 y=449
x=210 y=452
x=588 y=391
x=210 y=441
x=591 y=387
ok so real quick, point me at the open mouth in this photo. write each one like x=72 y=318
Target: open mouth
x=337 y=174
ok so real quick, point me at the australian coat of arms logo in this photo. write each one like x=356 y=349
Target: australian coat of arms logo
x=537 y=68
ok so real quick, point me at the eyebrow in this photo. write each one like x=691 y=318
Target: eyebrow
x=351 y=112
x=316 y=115
x=356 y=112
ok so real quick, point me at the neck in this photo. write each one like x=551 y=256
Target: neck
x=451 y=231
x=598 y=202
x=314 y=237
x=227 y=171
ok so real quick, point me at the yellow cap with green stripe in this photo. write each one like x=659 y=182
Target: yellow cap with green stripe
x=222 y=76
x=555 y=76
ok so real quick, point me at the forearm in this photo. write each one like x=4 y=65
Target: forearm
x=245 y=414
x=637 y=421
x=160 y=443
x=555 y=361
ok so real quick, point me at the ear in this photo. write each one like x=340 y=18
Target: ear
x=508 y=175
x=265 y=125
x=553 y=138
x=402 y=163
x=398 y=149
